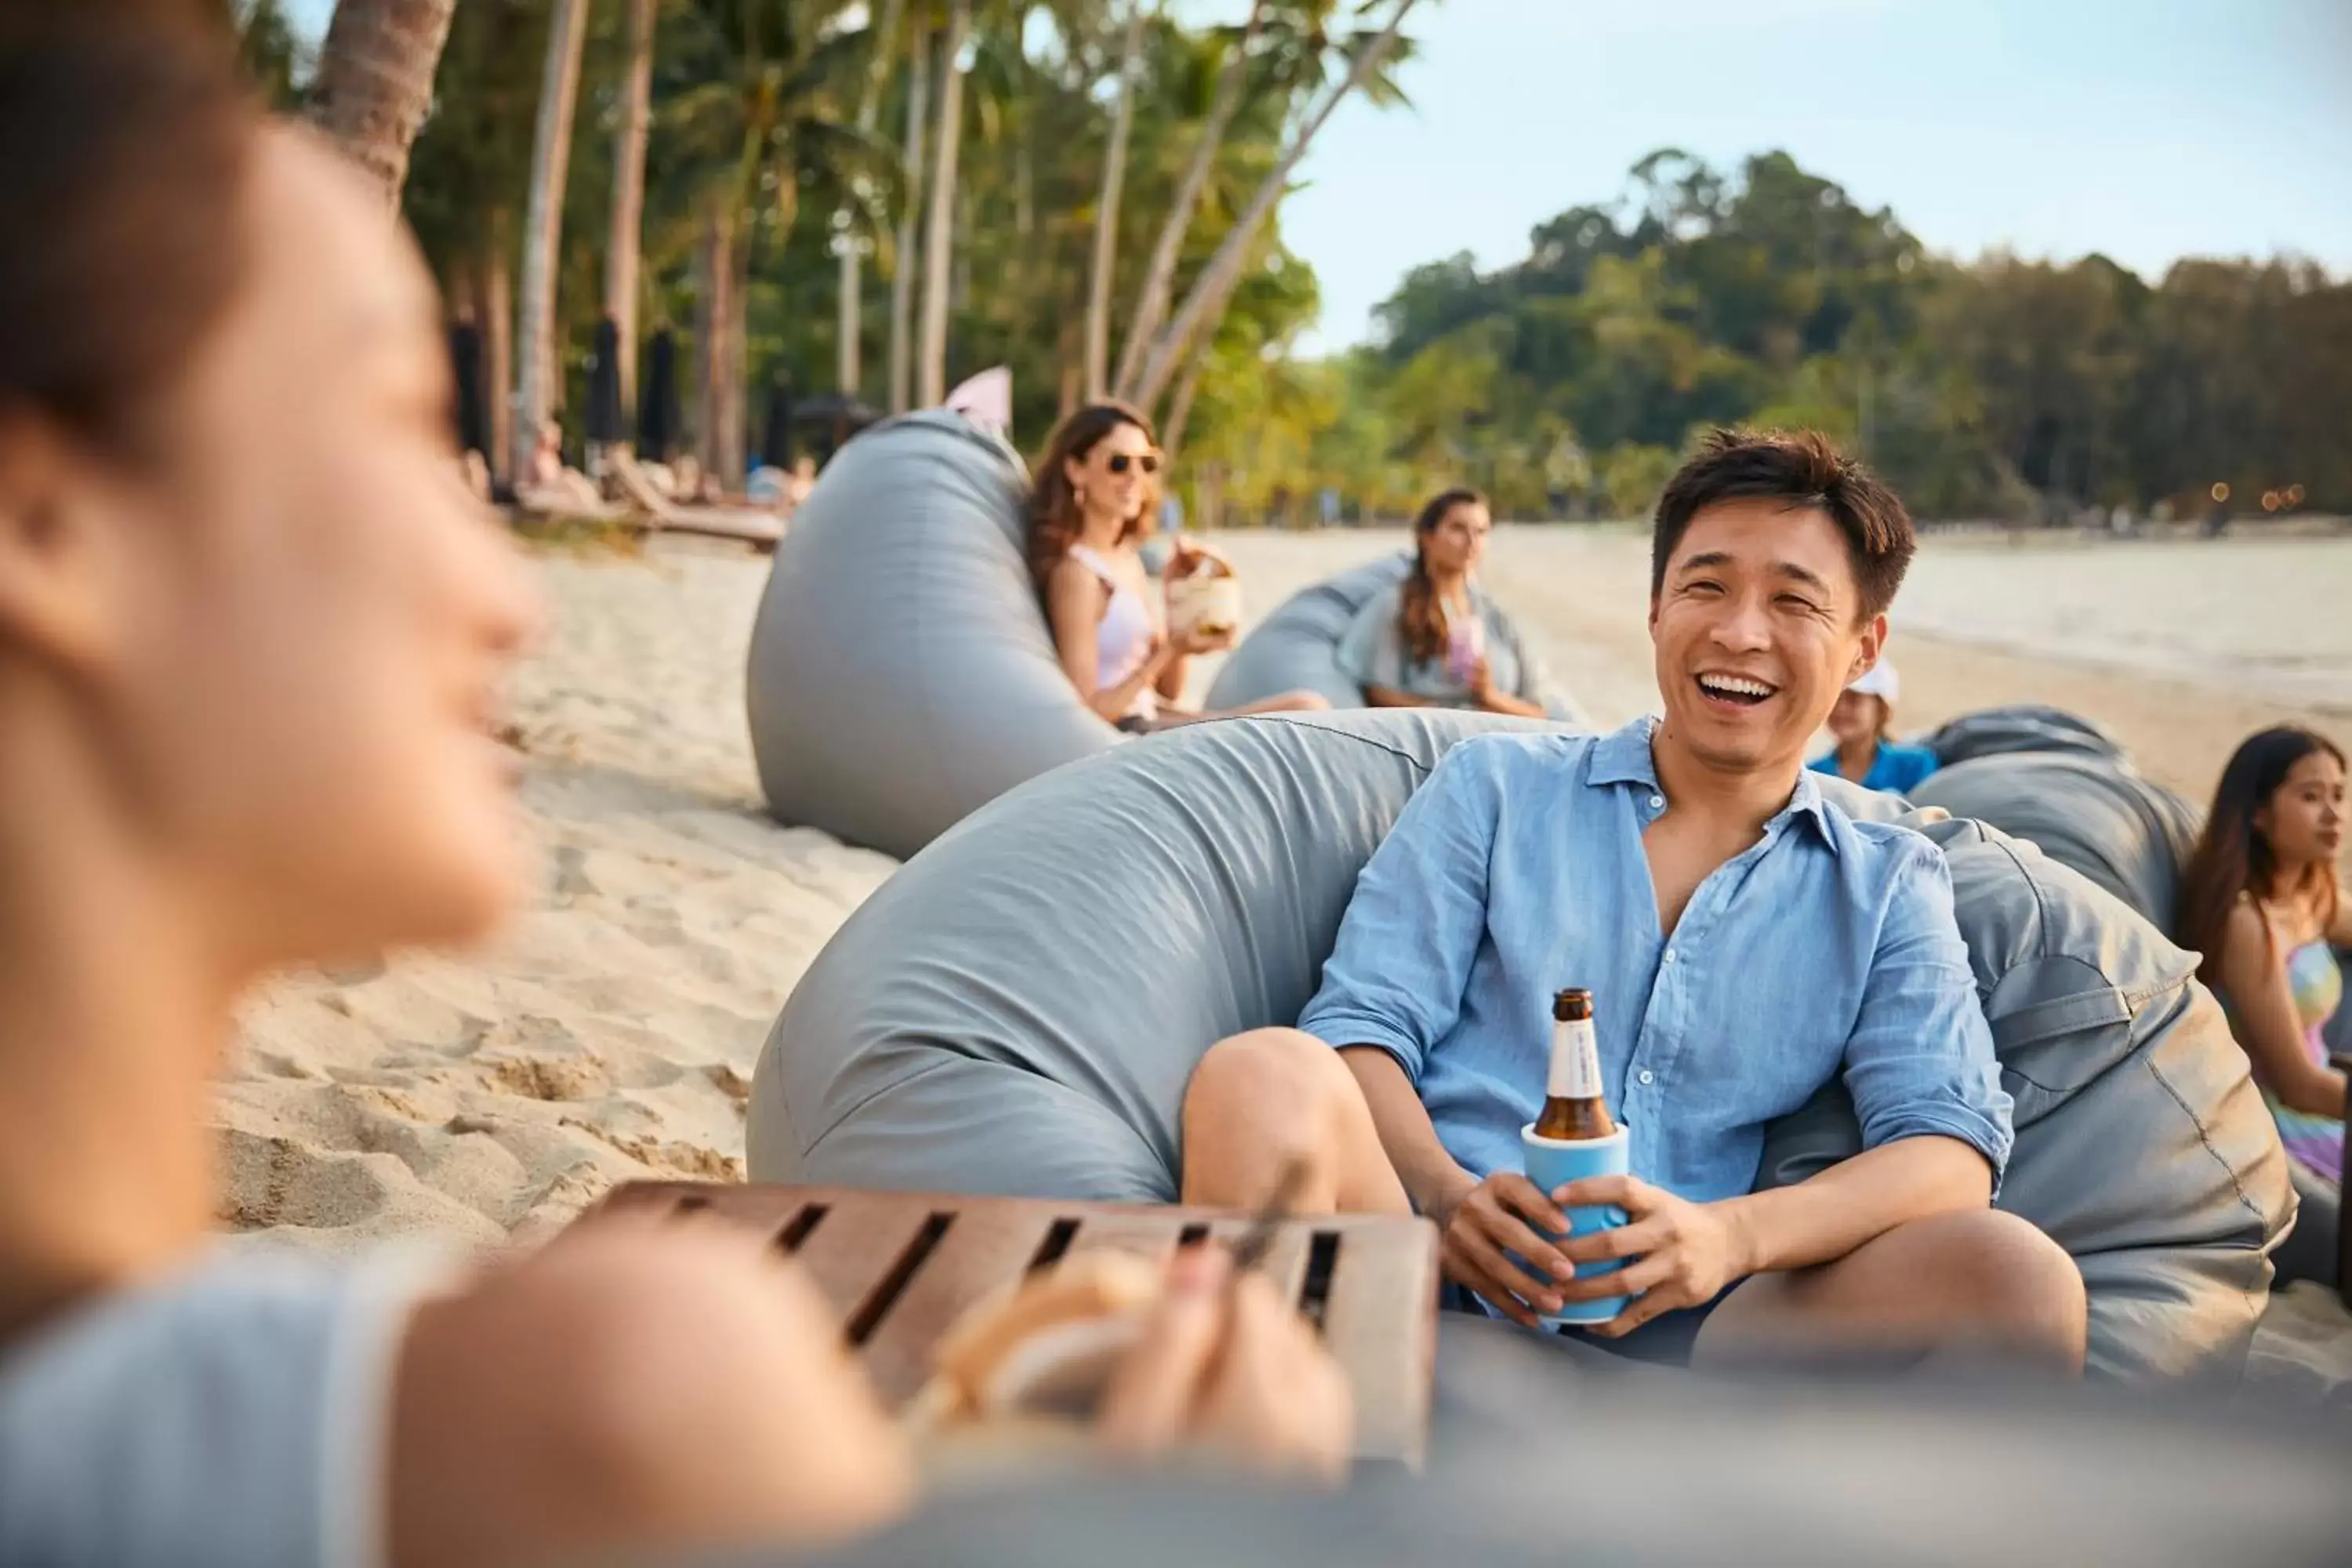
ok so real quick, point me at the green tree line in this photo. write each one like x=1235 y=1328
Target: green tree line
x=1569 y=379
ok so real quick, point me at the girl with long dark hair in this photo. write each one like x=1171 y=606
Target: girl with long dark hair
x=1437 y=641
x=1096 y=487
x=2263 y=903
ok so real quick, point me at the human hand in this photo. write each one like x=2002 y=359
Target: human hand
x=1195 y=640
x=1228 y=1365
x=1482 y=679
x=1187 y=555
x=1503 y=1214
x=1683 y=1253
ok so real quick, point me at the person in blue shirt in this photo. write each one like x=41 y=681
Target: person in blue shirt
x=1746 y=942
x=1863 y=721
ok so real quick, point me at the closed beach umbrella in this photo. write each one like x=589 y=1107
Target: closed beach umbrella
x=658 y=411
x=605 y=423
x=473 y=408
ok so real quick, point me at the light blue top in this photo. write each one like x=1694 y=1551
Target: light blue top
x=1372 y=653
x=1898 y=769
x=1517 y=868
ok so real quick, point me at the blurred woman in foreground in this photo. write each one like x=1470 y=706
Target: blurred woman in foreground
x=252 y=632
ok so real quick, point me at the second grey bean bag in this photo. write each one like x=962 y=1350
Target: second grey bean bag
x=901 y=672
x=2025 y=727
x=1297 y=647
x=2095 y=814
x=1019 y=1009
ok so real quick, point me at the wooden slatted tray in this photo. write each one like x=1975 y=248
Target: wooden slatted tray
x=899 y=1267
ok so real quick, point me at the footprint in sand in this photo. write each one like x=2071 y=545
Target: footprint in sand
x=552 y=1078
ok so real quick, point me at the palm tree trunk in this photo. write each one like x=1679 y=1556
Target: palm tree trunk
x=1217 y=279
x=939 y=236
x=629 y=195
x=719 y=347
x=849 y=348
x=1179 y=407
x=902 y=263
x=375 y=82
x=1159 y=277
x=498 y=336
x=1114 y=175
x=550 y=162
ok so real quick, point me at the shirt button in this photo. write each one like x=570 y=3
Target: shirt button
x=1670 y=955
x=1657 y=803
x=1648 y=1076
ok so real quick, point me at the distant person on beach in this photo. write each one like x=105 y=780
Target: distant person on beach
x=1437 y=641
x=1867 y=754
x=252 y=630
x=1746 y=943
x=1097 y=487
x=2263 y=903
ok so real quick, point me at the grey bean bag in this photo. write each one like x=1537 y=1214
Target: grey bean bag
x=1019 y=1009
x=901 y=673
x=1296 y=648
x=2026 y=727
x=2094 y=814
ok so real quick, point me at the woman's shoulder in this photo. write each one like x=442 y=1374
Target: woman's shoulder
x=234 y=1412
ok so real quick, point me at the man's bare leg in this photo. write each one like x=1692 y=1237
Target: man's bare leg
x=1973 y=1283
x=1258 y=1098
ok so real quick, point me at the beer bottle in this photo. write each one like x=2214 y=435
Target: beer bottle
x=1575 y=1106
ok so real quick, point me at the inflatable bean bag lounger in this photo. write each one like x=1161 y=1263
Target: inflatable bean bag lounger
x=901 y=673
x=1296 y=648
x=2025 y=727
x=2096 y=815
x=1018 y=1010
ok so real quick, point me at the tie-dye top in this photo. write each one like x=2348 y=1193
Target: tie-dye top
x=2317 y=986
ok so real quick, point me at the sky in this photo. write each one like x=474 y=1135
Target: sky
x=2147 y=129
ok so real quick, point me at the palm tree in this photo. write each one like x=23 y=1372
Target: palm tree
x=848 y=372
x=1218 y=279
x=374 y=82
x=1159 y=277
x=622 y=248
x=755 y=119
x=937 y=238
x=535 y=359
x=902 y=263
x=1106 y=257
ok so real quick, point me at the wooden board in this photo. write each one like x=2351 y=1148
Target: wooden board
x=899 y=1267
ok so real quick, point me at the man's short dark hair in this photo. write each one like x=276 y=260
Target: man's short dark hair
x=1803 y=469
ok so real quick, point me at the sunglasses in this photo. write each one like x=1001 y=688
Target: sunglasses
x=1118 y=462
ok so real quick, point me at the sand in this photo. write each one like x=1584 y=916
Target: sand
x=611 y=1034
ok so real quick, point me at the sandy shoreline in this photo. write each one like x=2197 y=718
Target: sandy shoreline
x=611 y=1034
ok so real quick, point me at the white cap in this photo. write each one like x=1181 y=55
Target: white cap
x=1880 y=682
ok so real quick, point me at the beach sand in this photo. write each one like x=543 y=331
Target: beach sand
x=611 y=1034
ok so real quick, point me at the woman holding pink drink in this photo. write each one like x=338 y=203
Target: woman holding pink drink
x=1437 y=641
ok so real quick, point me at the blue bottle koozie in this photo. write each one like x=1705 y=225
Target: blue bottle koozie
x=1552 y=1163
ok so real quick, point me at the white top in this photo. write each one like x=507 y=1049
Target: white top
x=1123 y=636
x=233 y=1414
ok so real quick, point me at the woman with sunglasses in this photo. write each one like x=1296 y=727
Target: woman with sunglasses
x=1097 y=487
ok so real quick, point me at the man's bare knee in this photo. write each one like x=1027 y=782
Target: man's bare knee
x=2024 y=1284
x=1266 y=1068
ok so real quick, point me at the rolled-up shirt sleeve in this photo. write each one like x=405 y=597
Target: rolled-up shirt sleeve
x=1398 y=974
x=1920 y=1060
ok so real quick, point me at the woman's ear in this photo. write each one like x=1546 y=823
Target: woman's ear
x=58 y=548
